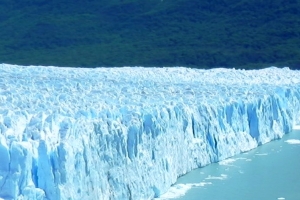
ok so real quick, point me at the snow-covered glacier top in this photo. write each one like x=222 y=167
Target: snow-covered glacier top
x=128 y=133
x=47 y=89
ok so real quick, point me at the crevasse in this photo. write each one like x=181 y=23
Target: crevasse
x=129 y=133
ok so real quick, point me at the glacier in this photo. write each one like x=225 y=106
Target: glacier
x=130 y=132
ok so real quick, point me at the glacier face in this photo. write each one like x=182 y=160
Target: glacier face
x=128 y=133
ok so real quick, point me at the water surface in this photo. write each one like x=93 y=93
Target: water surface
x=271 y=171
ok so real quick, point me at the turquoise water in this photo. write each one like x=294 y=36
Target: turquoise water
x=271 y=171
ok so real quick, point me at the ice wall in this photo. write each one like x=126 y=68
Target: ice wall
x=128 y=133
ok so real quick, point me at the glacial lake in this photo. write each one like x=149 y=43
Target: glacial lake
x=269 y=172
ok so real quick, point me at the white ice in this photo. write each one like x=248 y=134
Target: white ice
x=221 y=177
x=179 y=190
x=129 y=133
x=293 y=141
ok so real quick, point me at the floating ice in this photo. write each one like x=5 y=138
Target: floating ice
x=179 y=190
x=293 y=141
x=261 y=154
x=128 y=133
x=227 y=161
x=221 y=177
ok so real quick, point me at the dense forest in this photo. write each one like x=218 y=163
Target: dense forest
x=193 y=33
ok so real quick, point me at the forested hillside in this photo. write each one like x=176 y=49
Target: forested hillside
x=192 y=33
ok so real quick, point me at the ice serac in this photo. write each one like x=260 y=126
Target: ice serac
x=128 y=133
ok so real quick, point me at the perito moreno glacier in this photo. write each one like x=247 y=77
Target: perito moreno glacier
x=129 y=133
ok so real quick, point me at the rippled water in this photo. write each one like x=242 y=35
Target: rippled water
x=271 y=171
